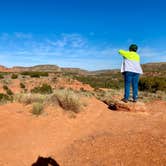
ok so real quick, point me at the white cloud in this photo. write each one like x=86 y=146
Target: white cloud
x=69 y=40
x=23 y=35
x=66 y=49
x=152 y=55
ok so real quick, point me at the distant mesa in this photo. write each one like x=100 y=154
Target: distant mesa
x=149 y=67
x=43 y=68
x=4 y=69
x=46 y=68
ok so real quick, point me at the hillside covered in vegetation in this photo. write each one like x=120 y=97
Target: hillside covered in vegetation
x=152 y=80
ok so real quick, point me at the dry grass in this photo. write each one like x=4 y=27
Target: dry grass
x=109 y=96
x=147 y=96
x=67 y=99
x=28 y=98
x=5 y=98
x=70 y=100
x=6 y=81
x=114 y=96
x=37 y=108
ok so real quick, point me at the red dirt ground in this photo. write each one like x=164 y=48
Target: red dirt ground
x=30 y=83
x=94 y=137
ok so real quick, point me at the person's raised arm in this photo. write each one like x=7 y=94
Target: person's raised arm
x=124 y=53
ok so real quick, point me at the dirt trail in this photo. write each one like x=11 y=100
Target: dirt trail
x=95 y=137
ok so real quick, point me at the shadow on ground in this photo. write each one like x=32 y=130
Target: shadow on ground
x=44 y=161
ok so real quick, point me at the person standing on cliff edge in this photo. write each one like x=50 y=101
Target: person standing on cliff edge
x=131 y=70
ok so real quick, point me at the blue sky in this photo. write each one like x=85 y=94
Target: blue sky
x=80 y=33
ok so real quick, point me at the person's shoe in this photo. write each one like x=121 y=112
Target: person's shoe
x=124 y=100
x=134 y=100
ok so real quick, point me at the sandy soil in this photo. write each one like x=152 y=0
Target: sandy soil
x=94 y=137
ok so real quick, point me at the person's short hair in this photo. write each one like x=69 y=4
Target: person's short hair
x=133 y=47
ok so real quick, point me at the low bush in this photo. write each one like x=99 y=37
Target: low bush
x=22 y=86
x=8 y=91
x=35 y=74
x=14 y=76
x=37 y=108
x=68 y=100
x=44 y=89
x=152 y=84
x=28 y=98
x=5 y=87
x=1 y=76
x=102 y=81
x=4 y=97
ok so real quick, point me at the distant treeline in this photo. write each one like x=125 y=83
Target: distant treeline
x=102 y=80
x=152 y=84
x=115 y=81
x=35 y=73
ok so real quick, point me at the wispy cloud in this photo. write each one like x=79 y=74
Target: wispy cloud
x=23 y=35
x=68 y=41
x=152 y=55
x=69 y=50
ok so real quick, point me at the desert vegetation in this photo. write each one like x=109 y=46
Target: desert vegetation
x=29 y=98
x=36 y=74
x=1 y=76
x=63 y=87
x=152 y=84
x=65 y=98
x=37 y=108
x=8 y=91
x=111 y=96
x=22 y=85
x=114 y=81
x=14 y=76
x=68 y=100
x=4 y=98
x=43 y=89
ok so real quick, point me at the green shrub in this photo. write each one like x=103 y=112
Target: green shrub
x=14 y=76
x=4 y=97
x=5 y=87
x=44 y=89
x=152 y=84
x=9 y=92
x=1 y=76
x=37 y=108
x=22 y=85
x=35 y=74
x=114 y=81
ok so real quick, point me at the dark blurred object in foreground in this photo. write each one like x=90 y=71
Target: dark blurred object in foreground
x=44 y=161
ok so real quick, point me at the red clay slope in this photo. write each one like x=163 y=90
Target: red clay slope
x=95 y=137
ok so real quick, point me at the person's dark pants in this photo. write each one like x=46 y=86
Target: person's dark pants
x=131 y=78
